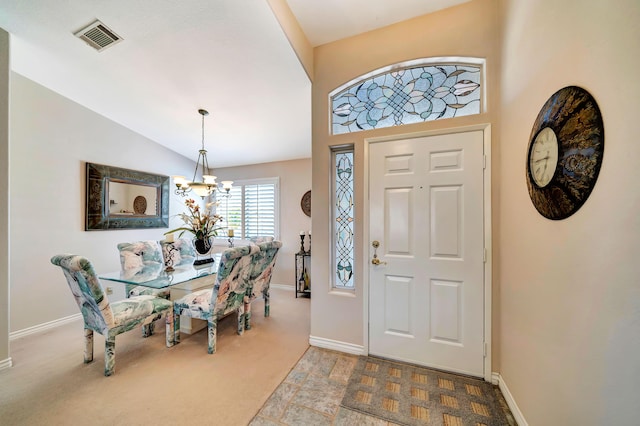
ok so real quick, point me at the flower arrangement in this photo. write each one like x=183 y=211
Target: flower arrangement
x=202 y=224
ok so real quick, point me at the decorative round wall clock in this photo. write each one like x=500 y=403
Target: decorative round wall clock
x=565 y=153
x=305 y=203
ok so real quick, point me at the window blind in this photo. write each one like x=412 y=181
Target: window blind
x=259 y=210
x=250 y=210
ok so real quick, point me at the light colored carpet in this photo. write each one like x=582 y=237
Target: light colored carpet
x=49 y=384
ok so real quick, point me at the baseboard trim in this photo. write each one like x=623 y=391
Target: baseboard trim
x=282 y=287
x=497 y=379
x=45 y=326
x=6 y=363
x=336 y=346
x=57 y=323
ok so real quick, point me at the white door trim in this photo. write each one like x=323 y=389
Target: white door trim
x=364 y=269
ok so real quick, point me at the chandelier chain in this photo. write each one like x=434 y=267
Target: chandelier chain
x=203 y=129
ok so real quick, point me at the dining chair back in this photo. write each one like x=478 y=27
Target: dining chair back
x=258 y=239
x=108 y=319
x=262 y=264
x=135 y=258
x=227 y=296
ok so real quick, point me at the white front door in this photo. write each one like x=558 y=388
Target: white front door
x=426 y=301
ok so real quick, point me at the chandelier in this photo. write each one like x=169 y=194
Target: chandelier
x=208 y=184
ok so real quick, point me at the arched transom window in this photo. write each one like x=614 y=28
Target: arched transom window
x=415 y=93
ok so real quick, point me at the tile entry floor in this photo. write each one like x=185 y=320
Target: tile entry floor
x=312 y=392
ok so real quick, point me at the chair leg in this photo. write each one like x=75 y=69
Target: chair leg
x=247 y=313
x=241 y=319
x=147 y=330
x=109 y=355
x=170 y=333
x=88 y=345
x=212 y=331
x=176 y=328
x=266 y=303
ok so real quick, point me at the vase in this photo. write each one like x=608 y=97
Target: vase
x=202 y=245
x=203 y=248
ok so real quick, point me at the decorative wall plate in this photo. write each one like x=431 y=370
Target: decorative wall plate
x=305 y=203
x=139 y=205
x=565 y=153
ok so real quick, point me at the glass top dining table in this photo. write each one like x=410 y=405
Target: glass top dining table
x=155 y=276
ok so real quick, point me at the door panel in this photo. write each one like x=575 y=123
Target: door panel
x=446 y=324
x=398 y=210
x=426 y=208
x=446 y=223
x=397 y=297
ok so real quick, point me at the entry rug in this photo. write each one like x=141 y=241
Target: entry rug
x=410 y=395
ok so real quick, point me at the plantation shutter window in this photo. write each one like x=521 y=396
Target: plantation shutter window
x=251 y=208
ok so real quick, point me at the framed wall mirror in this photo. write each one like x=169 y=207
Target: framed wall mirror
x=125 y=199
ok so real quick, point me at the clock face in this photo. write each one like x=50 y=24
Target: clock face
x=565 y=153
x=543 y=157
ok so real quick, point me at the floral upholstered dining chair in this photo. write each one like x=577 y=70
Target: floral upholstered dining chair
x=136 y=258
x=143 y=258
x=258 y=239
x=262 y=266
x=108 y=319
x=227 y=296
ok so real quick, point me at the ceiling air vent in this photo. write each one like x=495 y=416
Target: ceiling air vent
x=98 y=36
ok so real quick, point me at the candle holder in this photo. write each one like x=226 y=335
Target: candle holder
x=309 y=252
x=230 y=235
x=169 y=249
x=301 y=244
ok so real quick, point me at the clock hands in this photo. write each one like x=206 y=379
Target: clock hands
x=543 y=157
x=540 y=173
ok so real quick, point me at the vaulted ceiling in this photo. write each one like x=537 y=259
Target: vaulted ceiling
x=230 y=57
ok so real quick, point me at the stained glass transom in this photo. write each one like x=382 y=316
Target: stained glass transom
x=343 y=216
x=406 y=96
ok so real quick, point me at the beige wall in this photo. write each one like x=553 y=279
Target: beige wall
x=51 y=139
x=570 y=289
x=4 y=195
x=468 y=30
x=294 y=33
x=295 y=180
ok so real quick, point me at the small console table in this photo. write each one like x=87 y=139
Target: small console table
x=303 y=277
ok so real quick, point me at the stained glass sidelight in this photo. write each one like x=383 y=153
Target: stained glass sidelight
x=406 y=96
x=343 y=219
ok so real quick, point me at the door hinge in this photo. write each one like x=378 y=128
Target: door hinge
x=484 y=255
x=485 y=349
x=484 y=162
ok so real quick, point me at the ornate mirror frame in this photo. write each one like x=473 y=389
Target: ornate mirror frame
x=99 y=216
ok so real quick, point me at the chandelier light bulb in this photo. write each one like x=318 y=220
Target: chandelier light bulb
x=201 y=191
x=226 y=185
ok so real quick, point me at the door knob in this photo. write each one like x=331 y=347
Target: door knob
x=375 y=260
